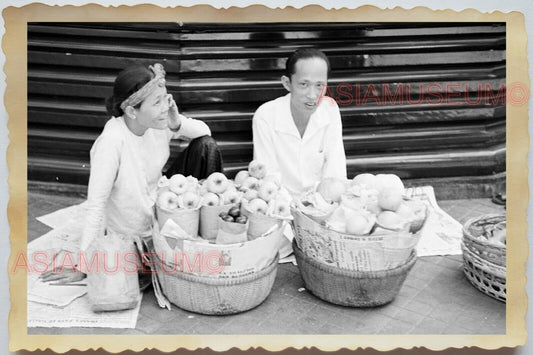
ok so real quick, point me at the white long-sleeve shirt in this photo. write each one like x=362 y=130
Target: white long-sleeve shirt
x=299 y=161
x=125 y=169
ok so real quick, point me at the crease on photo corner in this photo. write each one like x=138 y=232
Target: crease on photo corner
x=14 y=47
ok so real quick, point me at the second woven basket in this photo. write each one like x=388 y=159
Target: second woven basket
x=351 y=288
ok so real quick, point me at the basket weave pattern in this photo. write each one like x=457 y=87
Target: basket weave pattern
x=214 y=296
x=351 y=288
x=487 y=277
x=481 y=247
x=483 y=262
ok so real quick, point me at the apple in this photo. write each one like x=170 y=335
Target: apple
x=389 y=181
x=331 y=189
x=241 y=219
x=257 y=205
x=390 y=198
x=282 y=208
x=178 y=183
x=190 y=199
x=202 y=190
x=163 y=181
x=167 y=200
x=223 y=214
x=241 y=176
x=268 y=190
x=257 y=169
x=217 y=183
x=210 y=199
x=230 y=196
x=250 y=183
x=356 y=224
x=365 y=180
x=250 y=194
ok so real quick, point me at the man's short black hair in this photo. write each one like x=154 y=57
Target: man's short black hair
x=303 y=53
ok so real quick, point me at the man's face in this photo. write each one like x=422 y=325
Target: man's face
x=307 y=84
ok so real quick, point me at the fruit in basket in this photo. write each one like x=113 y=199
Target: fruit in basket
x=210 y=199
x=190 y=199
x=241 y=176
x=250 y=183
x=227 y=218
x=365 y=180
x=279 y=207
x=177 y=184
x=405 y=211
x=234 y=211
x=257 y=169
x=268 y=190
x=250 y=194
x=241 y=219
x=358 y=224
x=230 y=196
x=391 y=220
x=390 y=181
x=257 y=205
x=167 y=200
x=331 y=189
x=217 y=183
x=390 y=198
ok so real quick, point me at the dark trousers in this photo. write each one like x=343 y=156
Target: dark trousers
x=201 y=158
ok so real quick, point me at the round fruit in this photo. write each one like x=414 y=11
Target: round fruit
x=223 y=214
x=228 y=218
x=241 y=219
x=390 y=198
x=234 y=212
x=331 y=189
x=390 y=220
x=366 y=180
x=356 y=224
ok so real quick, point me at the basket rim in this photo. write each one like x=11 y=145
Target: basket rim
x=353 y=273
x=470 y=237
x=223 y=281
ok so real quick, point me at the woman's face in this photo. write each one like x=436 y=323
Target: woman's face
x=153 y=112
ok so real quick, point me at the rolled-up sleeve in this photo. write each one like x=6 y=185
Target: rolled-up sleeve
x=335 y=164
x=190 y=128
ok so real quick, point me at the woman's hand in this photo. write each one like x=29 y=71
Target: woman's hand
x=62 y=275
x=174 y=117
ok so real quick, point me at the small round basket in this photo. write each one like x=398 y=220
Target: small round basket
x=472 y=231
x=351 y=288
x=487 y=277
x=214 y=296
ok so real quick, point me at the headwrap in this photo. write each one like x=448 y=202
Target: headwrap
x=138 y=96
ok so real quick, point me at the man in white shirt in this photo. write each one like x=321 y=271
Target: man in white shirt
x=299 y=136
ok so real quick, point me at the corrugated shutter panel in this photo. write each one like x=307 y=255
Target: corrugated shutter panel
x=417 y=99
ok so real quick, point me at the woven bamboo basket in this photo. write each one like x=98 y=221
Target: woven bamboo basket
x=487 y=277
x=351 y=288
x=490 y=252
x=214 y=296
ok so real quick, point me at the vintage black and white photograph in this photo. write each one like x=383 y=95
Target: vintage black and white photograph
x=266 y=178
